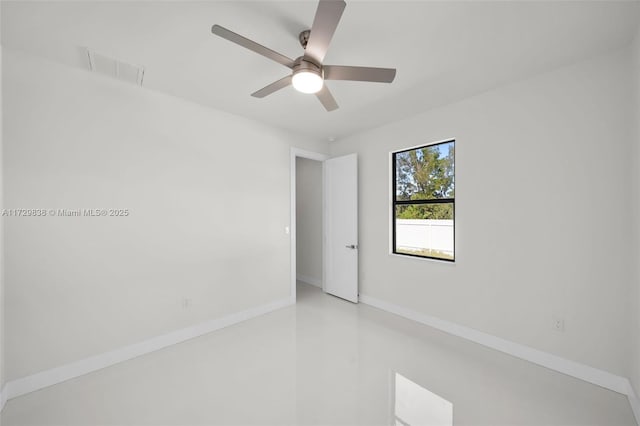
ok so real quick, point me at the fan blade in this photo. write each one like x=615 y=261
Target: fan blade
x=326 y=98
x=273 y=87
x=378 y=75
x=252 y=45
x=324 y=25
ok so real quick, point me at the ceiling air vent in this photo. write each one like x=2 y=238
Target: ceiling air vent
x=114 y=68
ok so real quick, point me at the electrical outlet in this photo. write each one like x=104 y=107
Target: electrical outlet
x=186 y=303
x=558 y=323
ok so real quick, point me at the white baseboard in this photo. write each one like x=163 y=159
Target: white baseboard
x=3 y=397
x=72 y=370
x=634 y=401
x=584 y=372
x=309 y=280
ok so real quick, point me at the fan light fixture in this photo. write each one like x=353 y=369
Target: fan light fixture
x=309 y=71
x=306 y=81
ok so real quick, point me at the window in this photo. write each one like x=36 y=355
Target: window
x=423 y=207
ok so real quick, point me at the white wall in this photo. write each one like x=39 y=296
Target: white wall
x=635 y=295
x=538 y=163
x=309 y=220
x=208 y=194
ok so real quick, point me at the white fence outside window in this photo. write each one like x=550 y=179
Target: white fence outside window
x=419 y=234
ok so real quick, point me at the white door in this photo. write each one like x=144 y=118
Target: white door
x=341 y=256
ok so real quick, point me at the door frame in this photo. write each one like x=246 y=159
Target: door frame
x=295 y=153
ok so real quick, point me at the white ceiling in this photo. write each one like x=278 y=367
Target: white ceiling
x=444 y=51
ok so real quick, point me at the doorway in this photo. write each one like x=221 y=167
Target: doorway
x=307 y=219
x=329 y=214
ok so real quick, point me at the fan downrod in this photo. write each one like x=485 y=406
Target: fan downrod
x=303 y=37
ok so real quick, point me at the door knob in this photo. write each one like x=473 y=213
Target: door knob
x=352 y=246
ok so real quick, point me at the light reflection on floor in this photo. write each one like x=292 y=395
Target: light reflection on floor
x=415 y=405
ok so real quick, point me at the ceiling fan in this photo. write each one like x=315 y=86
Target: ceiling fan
x=308 y=71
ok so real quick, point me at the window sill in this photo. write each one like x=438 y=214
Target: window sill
x=427 y=259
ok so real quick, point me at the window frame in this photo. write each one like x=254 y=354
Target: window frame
x=395 y=202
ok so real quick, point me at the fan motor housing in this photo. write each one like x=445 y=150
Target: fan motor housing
x=303 y=64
